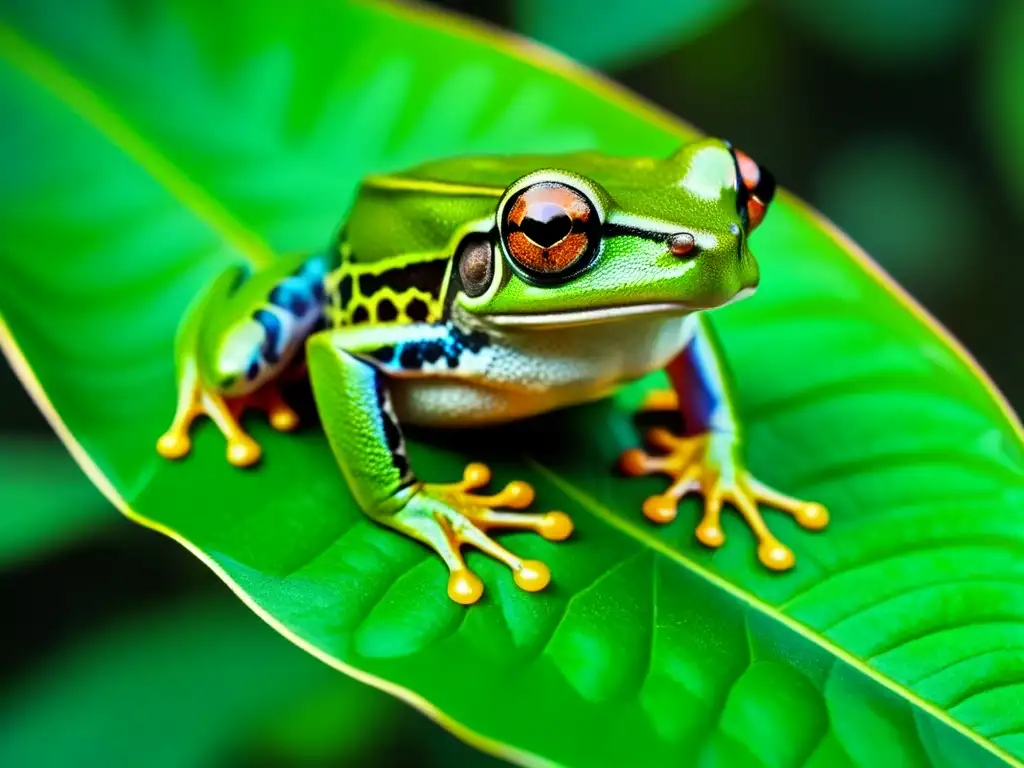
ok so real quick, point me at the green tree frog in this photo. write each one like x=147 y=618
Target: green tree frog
x=476 y=291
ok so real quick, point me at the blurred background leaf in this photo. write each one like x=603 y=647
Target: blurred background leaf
x=203 y=682
x=187 y=684
x=904 y=202
x=1003 y=93
x=888 y=33
x=45 y=499
x=611 y=33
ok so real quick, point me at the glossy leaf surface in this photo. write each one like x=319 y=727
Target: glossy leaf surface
x=176 y=138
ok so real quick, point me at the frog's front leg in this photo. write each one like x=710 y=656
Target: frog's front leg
x=707 y=457
x=354 y=403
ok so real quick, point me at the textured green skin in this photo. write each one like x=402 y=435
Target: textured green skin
x=230 y=298
x=650 y=645
x=632 y=270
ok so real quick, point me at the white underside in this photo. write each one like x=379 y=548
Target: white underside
x=525 y=372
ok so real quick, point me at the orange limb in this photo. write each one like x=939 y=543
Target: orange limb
x=195 y=400
x=699 y=464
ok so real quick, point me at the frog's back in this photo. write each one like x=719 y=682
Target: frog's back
x=402 y=229
x=501 y=170
x=422 y=209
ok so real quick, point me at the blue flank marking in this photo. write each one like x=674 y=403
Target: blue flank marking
x=303 y=289
x=271 y=348
x=413 y=355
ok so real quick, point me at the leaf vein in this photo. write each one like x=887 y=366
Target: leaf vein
x=85 y=101
x=888 y=558
x=965 y=660
x=861 y=665
x=966 y=580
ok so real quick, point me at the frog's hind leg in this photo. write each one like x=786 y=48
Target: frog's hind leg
x=234 y=346
x=195 y=400
x=269 y=400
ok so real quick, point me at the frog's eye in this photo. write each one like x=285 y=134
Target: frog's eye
x=549 y=229
x=475 y=260
x=757 y=188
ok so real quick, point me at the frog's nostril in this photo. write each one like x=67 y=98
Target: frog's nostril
x=681 y=244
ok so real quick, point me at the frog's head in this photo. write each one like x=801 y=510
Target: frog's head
x=613 y=238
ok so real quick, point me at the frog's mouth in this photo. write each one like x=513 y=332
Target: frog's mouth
x=596 y=315
x=570 y=318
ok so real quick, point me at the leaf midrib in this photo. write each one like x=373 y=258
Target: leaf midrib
x=644 y=538
x=49 y=74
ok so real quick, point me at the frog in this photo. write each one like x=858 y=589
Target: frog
x=480 y=290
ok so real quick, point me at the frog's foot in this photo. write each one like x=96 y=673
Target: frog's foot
x=242 y=451
x=444 y=517
x=660 y=400
x=707 y=464
x=267 y=399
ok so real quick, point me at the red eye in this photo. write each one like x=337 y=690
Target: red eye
x=755 y=212
x=758 y=186
x=750 y=172
x=548 y=228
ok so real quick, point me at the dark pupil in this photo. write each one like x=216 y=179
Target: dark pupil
x=546 y=224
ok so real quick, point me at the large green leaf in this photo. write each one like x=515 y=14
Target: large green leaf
x=151 y=144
